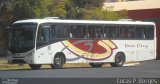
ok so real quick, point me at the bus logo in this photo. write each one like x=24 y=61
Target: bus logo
x=91 y=49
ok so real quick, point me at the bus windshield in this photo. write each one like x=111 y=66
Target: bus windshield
x=22 y=37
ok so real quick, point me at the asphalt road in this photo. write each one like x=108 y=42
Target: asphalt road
x=147 y=69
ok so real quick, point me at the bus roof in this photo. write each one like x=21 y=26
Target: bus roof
x=39 y=21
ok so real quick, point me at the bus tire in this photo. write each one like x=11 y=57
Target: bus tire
x=35 y=66
x=58 y=61
x=94 y=65
x=119 y=60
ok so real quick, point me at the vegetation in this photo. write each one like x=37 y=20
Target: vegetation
x=13 y=10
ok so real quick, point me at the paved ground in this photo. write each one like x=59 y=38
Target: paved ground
x=147 y=72
x=145 y=69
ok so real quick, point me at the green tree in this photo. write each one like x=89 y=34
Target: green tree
x=24 y=9
x=57 y=8
x=21 y=10
x=88 y=3
x=5 y=21
x=39 y=8
x=5 y=13
x=91 y=9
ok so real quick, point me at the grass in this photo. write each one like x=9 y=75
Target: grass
x=5 y=66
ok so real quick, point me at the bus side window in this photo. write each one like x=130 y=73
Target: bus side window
x=131 y=32
x=53 y=32
x=95 y=31
x=77 y=31
x=66 y=31
x=123 y=32
x=82 y=31
x=43 y=36
x=62 y=31
x=149 y=32
x=91 y=32
x=45 y=32
x=105 y=32
x=140 y=32
x=74 y=31
x=99 y=31
x=115 y=31
x=127 y=32
x=108 y=32
x=111 y=32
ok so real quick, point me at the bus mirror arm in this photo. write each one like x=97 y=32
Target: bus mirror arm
x=8 y=27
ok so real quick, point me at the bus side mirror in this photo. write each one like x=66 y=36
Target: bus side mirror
x=8 y=28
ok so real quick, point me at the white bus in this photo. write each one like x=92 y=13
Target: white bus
x=56 y=42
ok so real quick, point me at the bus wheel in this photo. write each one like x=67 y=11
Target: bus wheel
x=58 y=61
x=119 y=60
x=35 y=66
x=96 y=64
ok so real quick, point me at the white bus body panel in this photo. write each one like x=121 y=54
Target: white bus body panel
x=137 y=50
x=134 y=50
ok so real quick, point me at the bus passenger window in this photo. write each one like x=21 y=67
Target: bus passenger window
x=74 y=31
x=140 y=33
x=66 y=31
x=82 y=31
x=127 y=32
x=131 y=32
x=90 y=32
x=106 y=32
x=149 y=32
x=99 y=32
x=95 y=31
x=123 y=33
x=62 y=31
x=111 y=32
x=52 y=32
x=77 y=31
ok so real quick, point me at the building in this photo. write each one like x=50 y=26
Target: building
x=144 y=10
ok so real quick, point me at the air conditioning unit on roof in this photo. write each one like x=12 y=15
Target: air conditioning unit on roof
x=51 y=18
x=125 y=20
